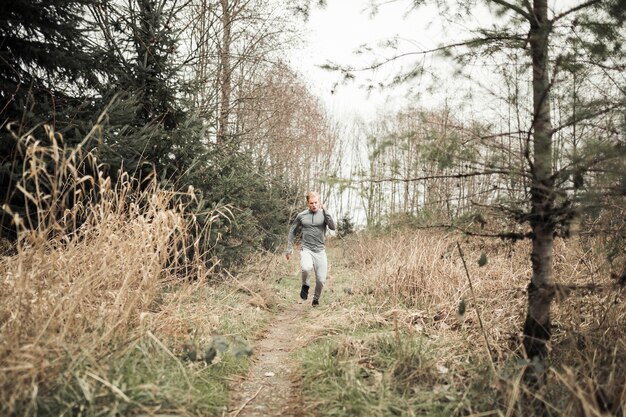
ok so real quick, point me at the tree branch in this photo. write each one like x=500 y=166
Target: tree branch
x=435 y=177
x=575 y=9
x=469 y=43
x=514 y=8
x=586 y=116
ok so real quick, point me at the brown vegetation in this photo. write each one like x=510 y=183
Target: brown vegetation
x=418 y=279
x=90 y=288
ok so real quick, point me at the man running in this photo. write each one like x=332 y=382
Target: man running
x=312 y=222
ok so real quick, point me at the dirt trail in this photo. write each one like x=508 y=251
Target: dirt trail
x=271 y=386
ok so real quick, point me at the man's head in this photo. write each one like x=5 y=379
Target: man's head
x=313 y=201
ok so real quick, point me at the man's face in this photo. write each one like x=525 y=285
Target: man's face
x=313 y=203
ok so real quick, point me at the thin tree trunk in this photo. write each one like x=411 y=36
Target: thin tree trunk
x=224 y=74
x=541 y=287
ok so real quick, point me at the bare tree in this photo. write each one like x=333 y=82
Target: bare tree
x=286 y=130
x=236 y=42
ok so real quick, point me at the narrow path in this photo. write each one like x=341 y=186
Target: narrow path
x=271 y=386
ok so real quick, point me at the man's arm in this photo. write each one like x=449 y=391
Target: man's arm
x=328 y=219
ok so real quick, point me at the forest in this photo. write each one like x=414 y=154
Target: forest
x=154 y=154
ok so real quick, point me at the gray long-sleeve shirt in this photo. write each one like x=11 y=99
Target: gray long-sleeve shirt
x=313 y=227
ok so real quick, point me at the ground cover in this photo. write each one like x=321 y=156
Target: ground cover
x=397 y=334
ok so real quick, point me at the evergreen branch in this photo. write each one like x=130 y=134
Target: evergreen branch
x=586 y=116
x=469 y=43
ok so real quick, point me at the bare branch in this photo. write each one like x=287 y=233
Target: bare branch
x=514 y=8
x=435 y=177
x=575 y=9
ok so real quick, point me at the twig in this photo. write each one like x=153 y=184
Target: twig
x=480 y=321
x=247 y=401
x=436 y=177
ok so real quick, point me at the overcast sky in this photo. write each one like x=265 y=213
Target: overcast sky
x=335 y=32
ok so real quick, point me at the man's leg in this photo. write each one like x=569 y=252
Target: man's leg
x=321 y=269
x=306 y=265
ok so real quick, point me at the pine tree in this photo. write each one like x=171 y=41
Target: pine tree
x=152 y=132
x=46 y=61
x=48 y=74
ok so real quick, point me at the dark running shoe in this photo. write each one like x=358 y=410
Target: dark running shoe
x=304 y=292
x=316 y=303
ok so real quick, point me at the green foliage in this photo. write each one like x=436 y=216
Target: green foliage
x=259 y=207
x=462 y=307
x=49 y=189
x=48 y=74
x=150 y=131
x=471 y=219
x=600 y=30
x=482 y=261
x=139 y=378
x=449 y=150
x=346 y=226
x=46 y=59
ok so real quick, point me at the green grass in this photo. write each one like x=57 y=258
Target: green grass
x=370 y=361
x=382 y=374
x=143 y=378
x=153 y=373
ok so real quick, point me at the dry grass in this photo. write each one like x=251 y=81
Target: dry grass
x=417 y=281
x=99 y=303
x=95 y=293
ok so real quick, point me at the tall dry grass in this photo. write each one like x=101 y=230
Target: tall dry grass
x=419 y=277
x=90 y=278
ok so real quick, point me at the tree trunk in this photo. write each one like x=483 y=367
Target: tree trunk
x=224 y=74
x=541 y=287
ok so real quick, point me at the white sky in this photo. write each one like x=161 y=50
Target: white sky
x=335 y=32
